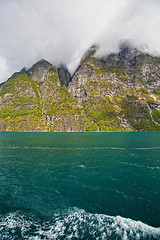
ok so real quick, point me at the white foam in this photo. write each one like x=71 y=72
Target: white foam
x=139 y=165
x=81 y=148
x=153 y=168
x=77 y=224
x=82 y=166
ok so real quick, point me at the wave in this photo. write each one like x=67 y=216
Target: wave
x=140 y=165
x=81 y=148
x=74 y=223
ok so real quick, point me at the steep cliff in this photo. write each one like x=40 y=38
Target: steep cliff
x=20 y=105
x=29 y=105
x=39 y=70
x=119 y=92
x=64 y=76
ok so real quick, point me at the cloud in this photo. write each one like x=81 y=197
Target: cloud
x=4 y=71
x=61 y=31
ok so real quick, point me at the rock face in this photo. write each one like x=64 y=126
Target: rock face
x=119 y=92
x=1 y=84
x=64 y=76
x=39 y=70
x=61 y=110
x=118 y=89
x=28 y=105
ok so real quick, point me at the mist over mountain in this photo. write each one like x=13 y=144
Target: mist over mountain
x=116 y=92
x=61 y=31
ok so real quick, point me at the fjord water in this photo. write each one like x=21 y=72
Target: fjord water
x=80 y=185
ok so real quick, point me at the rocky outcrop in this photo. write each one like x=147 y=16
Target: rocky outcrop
x=1 y=84
x=116 y=89
x=26 y=105
x=3 y=125
x=64 y=76
x=62 y=111
x=39 y=70
x=119 y=92
x=135 y=65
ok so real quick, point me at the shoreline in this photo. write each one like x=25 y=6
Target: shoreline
x=80 y=132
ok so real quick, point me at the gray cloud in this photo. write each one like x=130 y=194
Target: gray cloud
x=61 y=30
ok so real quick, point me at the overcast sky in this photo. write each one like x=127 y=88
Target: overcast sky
x=60 y=31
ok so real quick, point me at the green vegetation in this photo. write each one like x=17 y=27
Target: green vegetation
x=106 y=128
x=103 y=113
x=142 y=90
x=10 y=113
x=112 y=101
x=156 y=115
x=145 y=94
x=137 y=115
x=92 y=128
x=62 y=103
x=157 y=59
x=21 y=101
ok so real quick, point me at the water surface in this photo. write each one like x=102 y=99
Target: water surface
x=80 y=185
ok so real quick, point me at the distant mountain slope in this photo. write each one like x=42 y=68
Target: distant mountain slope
x=28 y=105
x=120 y=92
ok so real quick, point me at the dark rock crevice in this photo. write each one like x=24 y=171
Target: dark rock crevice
x=64 y=76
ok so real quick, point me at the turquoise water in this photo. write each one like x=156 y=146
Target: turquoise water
x=79 y=186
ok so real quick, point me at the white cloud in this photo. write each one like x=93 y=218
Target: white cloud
x=4 y=71
x=61 y=30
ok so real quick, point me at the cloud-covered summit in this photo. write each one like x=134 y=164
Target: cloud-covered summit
x=61 y=31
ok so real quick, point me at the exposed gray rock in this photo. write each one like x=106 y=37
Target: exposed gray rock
x=23 y=70
x=64 y=76
x=119 y=92
x=3 y=125
x=119 y=85
x=39 y=70
x=1 y=84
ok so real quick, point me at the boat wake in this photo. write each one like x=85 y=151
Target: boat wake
x=74 y=224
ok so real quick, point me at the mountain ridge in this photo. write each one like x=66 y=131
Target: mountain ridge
x=119 y=92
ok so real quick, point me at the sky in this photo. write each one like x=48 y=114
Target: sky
x=60 y=31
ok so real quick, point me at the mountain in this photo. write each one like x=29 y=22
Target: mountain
x=119 y=92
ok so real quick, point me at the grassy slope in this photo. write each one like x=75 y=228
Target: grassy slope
x=21 y=108
x=26 y=104
x=61 y=106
